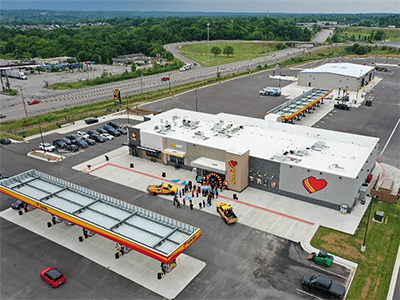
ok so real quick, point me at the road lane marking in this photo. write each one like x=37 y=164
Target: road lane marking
x=390 y=137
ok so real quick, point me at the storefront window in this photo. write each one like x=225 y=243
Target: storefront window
x=177 y=160
x=154 y=154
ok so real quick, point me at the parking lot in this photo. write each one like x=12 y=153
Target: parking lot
x=241 y=262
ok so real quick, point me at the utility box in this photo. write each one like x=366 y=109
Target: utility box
x=362 y=192
x=379 y=215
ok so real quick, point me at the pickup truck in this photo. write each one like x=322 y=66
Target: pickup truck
x=323 y=286
x=270 y=91
x=226 y=212
x=163 y=188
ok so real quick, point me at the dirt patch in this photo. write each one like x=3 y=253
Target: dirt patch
x=366 y=288
x=338 y=244
x=50 y=157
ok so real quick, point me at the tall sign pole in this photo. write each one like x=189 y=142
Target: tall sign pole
x=23 y=102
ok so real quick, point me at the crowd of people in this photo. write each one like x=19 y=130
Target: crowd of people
x=190 y=192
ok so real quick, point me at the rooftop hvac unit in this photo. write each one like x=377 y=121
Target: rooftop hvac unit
x=165 y=127
x=218 y=125
x=318 y=145
x=189 y=123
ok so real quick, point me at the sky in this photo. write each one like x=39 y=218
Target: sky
x=260 y=6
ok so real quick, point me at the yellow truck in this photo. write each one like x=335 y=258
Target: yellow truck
x=226 y=212
x=163 y=188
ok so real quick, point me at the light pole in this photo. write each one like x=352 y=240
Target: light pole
x=232 y=33
x=23 y=102
x=195 y=91
x=41 y=135
x=169 y=82
x=208 y=43
x=364 y=247
x=141 y=81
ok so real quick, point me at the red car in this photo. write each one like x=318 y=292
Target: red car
x=52 y=276
x=165 y=78
x=32 y=102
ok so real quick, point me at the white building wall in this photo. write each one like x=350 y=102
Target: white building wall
x=327 y=80
x=151 y=141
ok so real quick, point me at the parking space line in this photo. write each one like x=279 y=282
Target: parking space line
x=330 y=272
x=295 y=222
x=390 y=137
x=274 y=224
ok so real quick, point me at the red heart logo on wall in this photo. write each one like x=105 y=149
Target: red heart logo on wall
x=232 y=163
x=312 y=184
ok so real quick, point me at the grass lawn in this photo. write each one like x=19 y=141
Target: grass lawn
x=392 y=35
x=242 y=51
x=375 y=265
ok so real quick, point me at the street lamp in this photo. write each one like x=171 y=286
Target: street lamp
x=41 y=135
x=195 y=91
x=363 y=247
x=23 y=102
x=208 y=43
x=169 y=83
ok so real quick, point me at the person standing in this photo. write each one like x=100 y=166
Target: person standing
x=191 y=205
x=216 y=193
x=204 y=203
x=184 y=202
x=178 y=204
x=200 y=205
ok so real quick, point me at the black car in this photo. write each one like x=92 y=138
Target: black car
x=98 y=138
x=2 y=116
x=92 y=131
x=5 y=141
x=91 y=121
x=114 y=124
x=74 y=136
x=80 y=143
x=122 y=131
x=101 y=130
x=113 y=132
x=59 y=144
x=90 y=141
x=341 y=106
x=65 y=140
x=72 y=148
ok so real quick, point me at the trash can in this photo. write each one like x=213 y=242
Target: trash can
x=163 y=174
x=343 y=209
x=131 y=165
x=378 y=217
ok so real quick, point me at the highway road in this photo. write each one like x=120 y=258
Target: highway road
x=52 y=100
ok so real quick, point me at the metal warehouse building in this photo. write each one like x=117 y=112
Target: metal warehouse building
x=334 y=76
x=314 y=165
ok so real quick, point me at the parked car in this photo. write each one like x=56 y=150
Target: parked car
x=17 y=205
x=59 y=143
x=101 y=130
x=91 y=121
x=113 y=132
x=165 y=78
x=90 y=141
x=80 y=143
x=122 y=131
x=93 y=131
x=53 y=277
x=107 y=136
x=107 y=127
x=323 y=286
x=66 y=140
x=5 y=141
x=47 y=147
x=343 y=106
x=33 y=102
x=2 y=116
x=83 y=134
x=116 y=125
x=74 y=136
x=72 y=148
x=98 y=138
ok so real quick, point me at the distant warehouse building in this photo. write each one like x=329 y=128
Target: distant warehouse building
x=337 y=76
x=319 y=166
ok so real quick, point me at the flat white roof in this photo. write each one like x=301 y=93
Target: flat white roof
x=345 y=69
x=328 y=151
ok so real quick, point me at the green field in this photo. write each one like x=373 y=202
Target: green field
x=391 y=34
x=375 y=265
x=242 y=51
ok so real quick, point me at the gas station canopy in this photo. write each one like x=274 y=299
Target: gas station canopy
x=152 y=234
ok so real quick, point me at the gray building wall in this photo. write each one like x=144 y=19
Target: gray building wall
x=327 y=80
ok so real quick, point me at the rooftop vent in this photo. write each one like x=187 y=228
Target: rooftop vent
x=319 y=145
x=218 y=125
x=189 y=122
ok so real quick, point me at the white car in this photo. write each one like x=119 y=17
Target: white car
x=47 y=147
x=83 y=134
x=107 y=136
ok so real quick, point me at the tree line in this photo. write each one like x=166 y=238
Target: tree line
x=145 y=35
